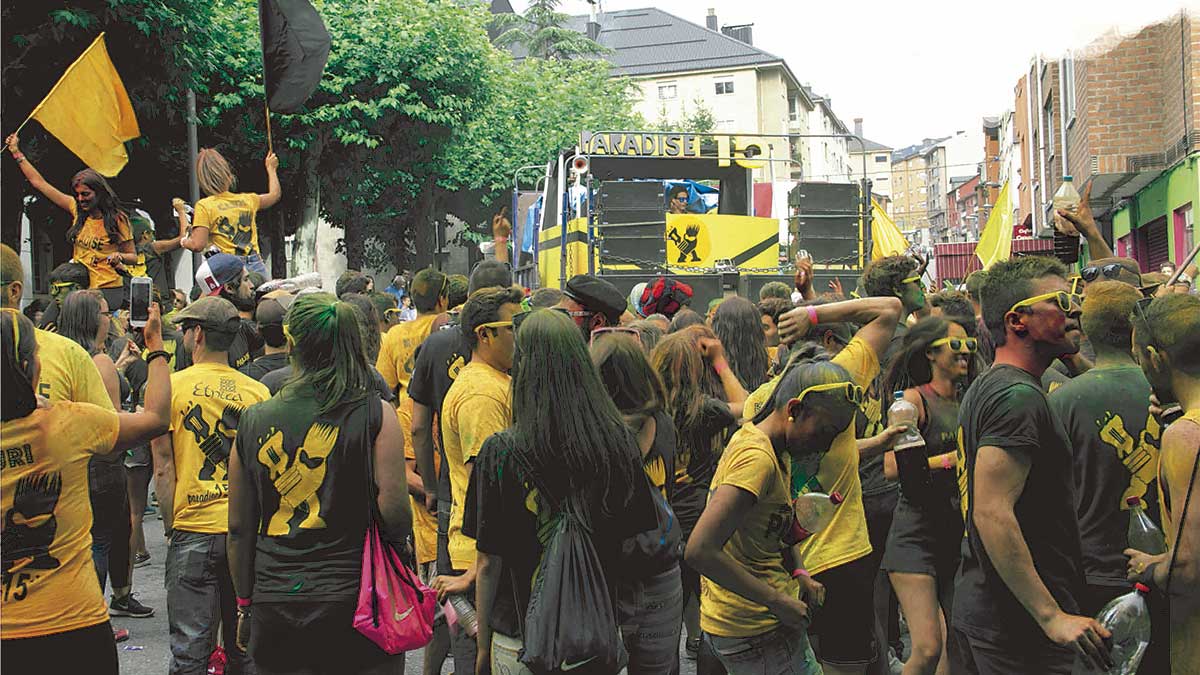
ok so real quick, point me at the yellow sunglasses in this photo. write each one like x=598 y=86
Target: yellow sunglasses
x=910 y=280
x=1064 y=299
x=964 y=345
x=495 y=324
x=854 y=393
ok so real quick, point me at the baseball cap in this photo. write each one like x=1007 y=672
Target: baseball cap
x=597 y=295
x=218 y=270
x=210 y=312
x=273 y=308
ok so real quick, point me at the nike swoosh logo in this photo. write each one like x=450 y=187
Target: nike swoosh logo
x=398 y=616
x=572 y=666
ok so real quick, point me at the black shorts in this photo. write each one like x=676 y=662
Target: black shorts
x=845 y=624
x=977 y=656
x=83 y=650
x=925 y=539
x=289 y=636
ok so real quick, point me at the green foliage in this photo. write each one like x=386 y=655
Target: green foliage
x=699 y=121
x=540 y=31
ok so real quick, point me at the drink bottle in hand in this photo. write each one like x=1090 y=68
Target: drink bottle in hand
x=1127 y=617
x=912 y=458
x=1144 y=535
x=811 y=511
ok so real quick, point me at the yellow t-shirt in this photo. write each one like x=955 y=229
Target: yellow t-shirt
x=207 y=401
x=230 y=221
x=92 y=245
x=749 y=463
x=1174 y=473
x=424 y=522
x=478 y=404
x=49 y=579
x=845 y=538
x=68 y=373
x=398 y=351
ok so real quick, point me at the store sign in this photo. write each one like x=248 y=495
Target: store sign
x=725 y=148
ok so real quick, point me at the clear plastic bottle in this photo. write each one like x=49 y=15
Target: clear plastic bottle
x=1127 y=617
x=1066 y=198
x=912 y=458
x=812 y=511
x=467 y=620
x=1144 y=535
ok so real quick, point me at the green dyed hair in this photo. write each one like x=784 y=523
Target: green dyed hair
x=775 y=289
x=456 y=290
x=327 y=349
x=427 y=286
x=1172 y=324
x=1107 y=308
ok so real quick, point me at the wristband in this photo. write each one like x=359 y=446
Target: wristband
x=19 y=156
x=155 y=354
x=800 y=572
x=720 y=367
x=812 y=315
x=946 y=462
x=243 y=603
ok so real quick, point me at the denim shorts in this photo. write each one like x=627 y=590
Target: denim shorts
x=779 y=651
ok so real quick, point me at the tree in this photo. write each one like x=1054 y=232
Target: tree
x=699 y=121
x=540 y=31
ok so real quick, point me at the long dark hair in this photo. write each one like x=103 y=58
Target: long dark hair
x=327 y=349
x=910 y=367
x=106 y=201
x=634 y=386
x=582 y=440
x=689 y=382
x=16 y=368
x=79 y=319
x=738 y=324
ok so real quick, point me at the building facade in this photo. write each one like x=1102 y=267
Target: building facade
x=877 y=158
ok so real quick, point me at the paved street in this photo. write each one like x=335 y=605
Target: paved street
x=147 y=651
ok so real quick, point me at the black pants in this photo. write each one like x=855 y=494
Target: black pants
x=314 y=638
x=111 y=521
x=85 y=650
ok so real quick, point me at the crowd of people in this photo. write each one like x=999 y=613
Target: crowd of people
x=477 y=423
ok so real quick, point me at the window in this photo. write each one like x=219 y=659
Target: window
x=1185 y=232
x=793 y=108
x=724 y=87
x=666 y=92
x=1049 y=130
x=880 y=159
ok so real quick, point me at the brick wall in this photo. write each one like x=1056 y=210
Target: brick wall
x=1022 y=144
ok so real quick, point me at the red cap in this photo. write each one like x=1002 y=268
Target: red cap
x=836 y=498
x=1140 y=587
x=1132 y=501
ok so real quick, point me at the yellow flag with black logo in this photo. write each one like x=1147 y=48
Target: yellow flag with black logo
x=89 y=111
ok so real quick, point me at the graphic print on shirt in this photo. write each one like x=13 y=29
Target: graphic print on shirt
x=1139 y=456
x=215 y=441
x=240 y=233
x=29 y=530
x=298 y=483
x=961 y=471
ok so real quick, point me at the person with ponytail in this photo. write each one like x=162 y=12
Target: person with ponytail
x=934 y=363
x=191 y=466
x=224 y=220
x=299 y=500
x=579 y=447
x=53 y=617
x=100 y=233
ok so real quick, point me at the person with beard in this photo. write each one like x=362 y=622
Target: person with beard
x=226 y=276
x=1016 y=598
x=192 y=483
x=100 y=235
x=1166 y=335
x=592 y=303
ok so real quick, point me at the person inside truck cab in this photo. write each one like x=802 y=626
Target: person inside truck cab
x=679 y=201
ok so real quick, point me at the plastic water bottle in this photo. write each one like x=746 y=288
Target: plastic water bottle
x=1144 y=535
x=1128 y=618
x=912 y=459
x=467 y=620
x=1066 y=198
x=812 y=511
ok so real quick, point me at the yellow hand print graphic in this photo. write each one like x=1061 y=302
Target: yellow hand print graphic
x=298 y=484
x=1139 y=456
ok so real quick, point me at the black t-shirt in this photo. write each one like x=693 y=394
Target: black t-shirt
x=696 y=460
x=1116 y=445
x=260 y=367
x=438 y=360
x=246 y=346
x=1006 y=408
x=309 y=475
x=496 y=515
x=276 y=379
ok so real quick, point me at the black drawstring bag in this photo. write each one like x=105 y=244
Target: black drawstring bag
x=571 y=622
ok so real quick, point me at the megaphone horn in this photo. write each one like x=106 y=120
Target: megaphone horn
x=580 y=164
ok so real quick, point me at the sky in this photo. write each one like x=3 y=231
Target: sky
x=917 y=69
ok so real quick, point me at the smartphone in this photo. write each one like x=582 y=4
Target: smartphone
x=140 y=289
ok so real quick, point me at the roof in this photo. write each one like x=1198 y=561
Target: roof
x=823 y=101
x=921 y=148
x=867 y=145
x=649 y=41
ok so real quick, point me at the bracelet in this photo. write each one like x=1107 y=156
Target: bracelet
x=19 y=156
x=812 y=314
x=243 y=603
x=720 y=367
x=946 y=461
x=155 y=354
x=800 y=572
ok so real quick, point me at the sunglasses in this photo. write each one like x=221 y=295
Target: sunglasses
x=496 y=325
x=1064 y=299
x=963 y=345
x=853 y=392
x=616 y=330
x=574 y=313
x=1110 y=271
x=679 y=199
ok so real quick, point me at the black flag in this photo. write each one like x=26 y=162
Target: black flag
x=295 y=47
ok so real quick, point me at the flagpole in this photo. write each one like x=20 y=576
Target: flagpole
x=267 y=107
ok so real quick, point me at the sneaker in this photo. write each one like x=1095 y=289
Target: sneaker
x=692 y=647
x=129 y=606
x=120 y=635
x=141 y=559
x=895 y=665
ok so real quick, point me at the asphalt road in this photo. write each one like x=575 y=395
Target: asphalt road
x=147 y=652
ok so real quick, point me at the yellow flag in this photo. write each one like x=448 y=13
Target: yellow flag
x=89 y=111
x=995 y=242
x=886 y=239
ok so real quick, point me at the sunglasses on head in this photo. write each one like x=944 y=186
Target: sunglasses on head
x=963 y=345
x=616 y=330
x=1110 y=271
x=1064 y=300
x=853 y=392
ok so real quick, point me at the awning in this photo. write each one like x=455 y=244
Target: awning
x=955 y=261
